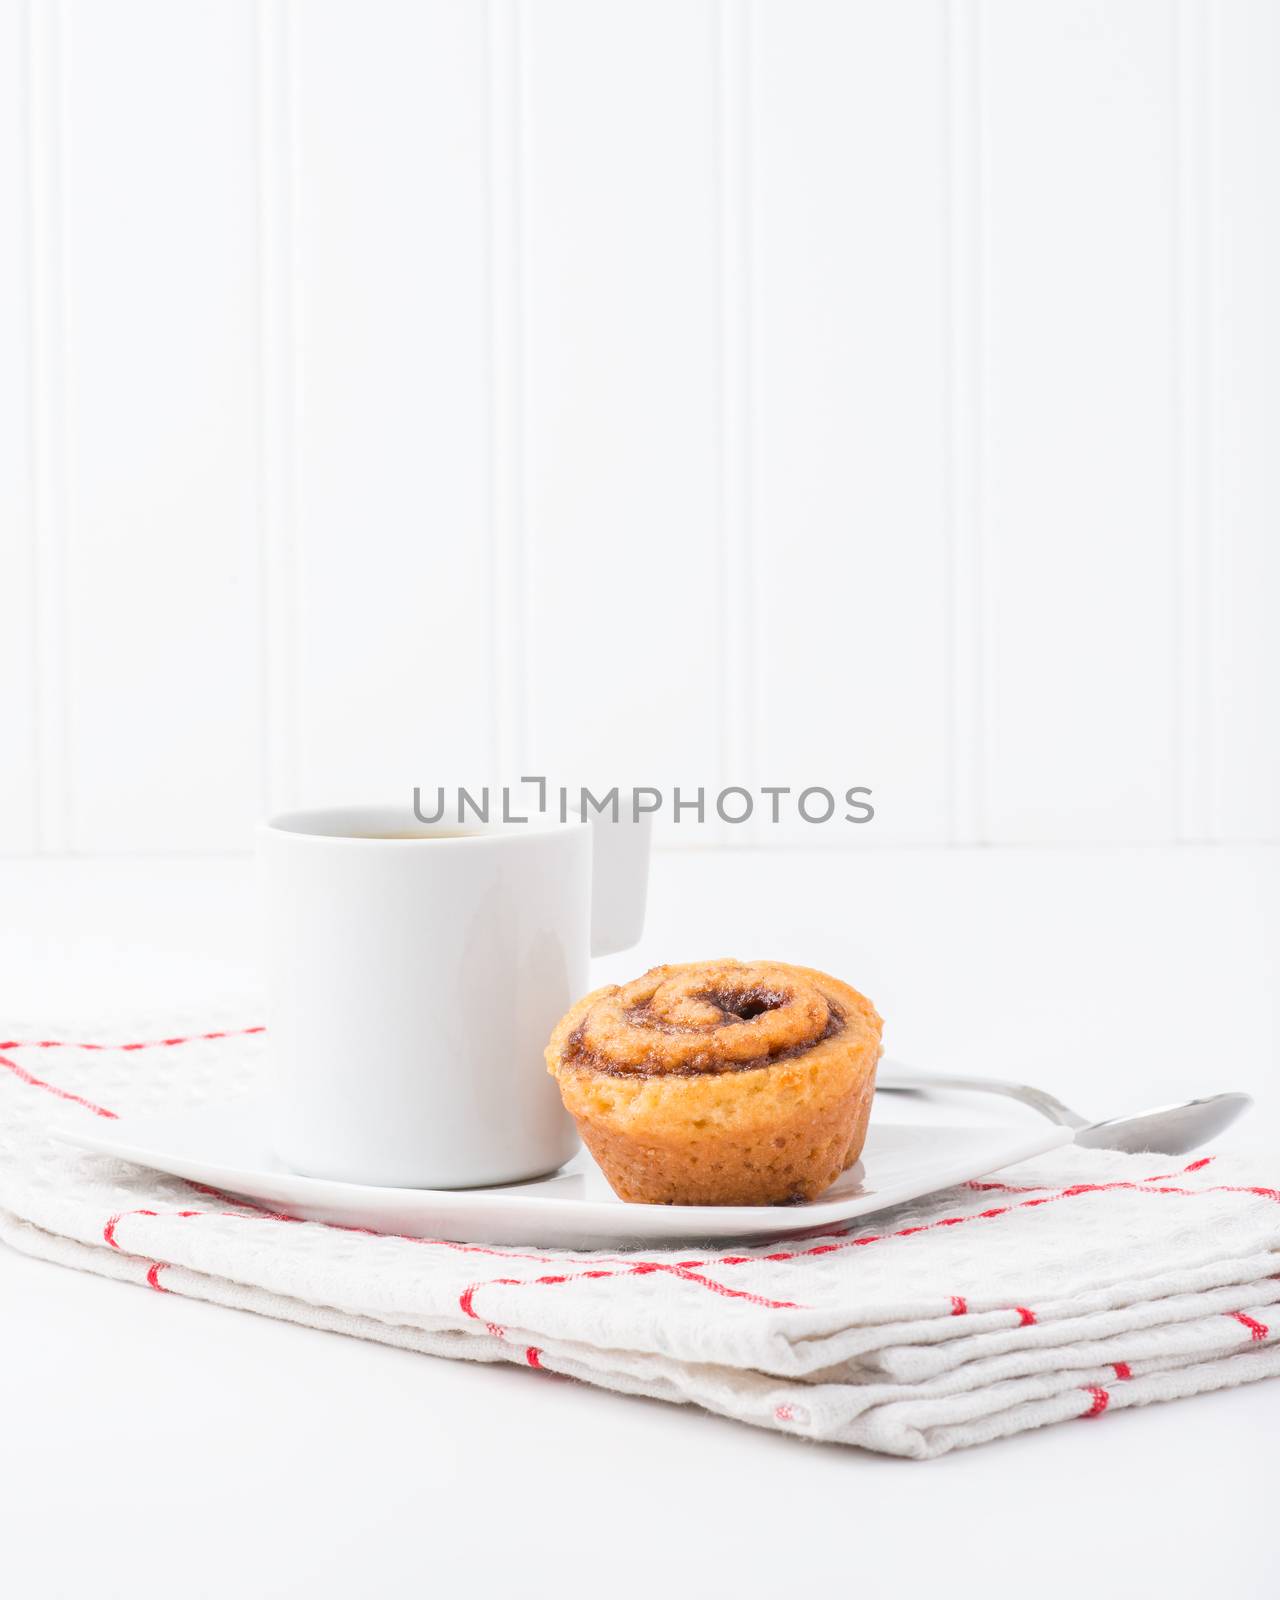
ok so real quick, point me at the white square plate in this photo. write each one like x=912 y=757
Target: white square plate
x=227 y=1146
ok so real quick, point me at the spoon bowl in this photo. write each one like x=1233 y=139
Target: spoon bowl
x=1170 y=1130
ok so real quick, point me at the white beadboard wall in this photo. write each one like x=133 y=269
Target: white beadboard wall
x=663 y=391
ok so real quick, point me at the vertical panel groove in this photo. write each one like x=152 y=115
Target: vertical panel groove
x=1196 y=585
x=1243 y=223
x=966 y=565
x=27 y=378
x=510 y=555
x=277 y=386
x=1215 y=542
x=737 y=589
x=47 y=399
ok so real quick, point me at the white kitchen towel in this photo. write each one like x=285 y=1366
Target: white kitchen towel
x=1068 y=1287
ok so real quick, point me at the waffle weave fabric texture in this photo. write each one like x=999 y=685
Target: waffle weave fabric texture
x=1065 y=1288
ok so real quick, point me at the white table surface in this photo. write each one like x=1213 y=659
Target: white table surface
x=152 y=1445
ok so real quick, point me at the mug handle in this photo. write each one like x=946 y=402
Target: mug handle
x=619 y=878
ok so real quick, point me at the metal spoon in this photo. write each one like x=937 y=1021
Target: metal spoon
x=1167 y=1129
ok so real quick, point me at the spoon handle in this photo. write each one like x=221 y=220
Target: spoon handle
x=893 y=1075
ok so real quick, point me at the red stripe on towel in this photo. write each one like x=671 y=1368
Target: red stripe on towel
x=109 y=1232
x=1192 y=1166
x=136 y=1044
x=466 y=1300
x=1257 y=1330
x=29 y=1078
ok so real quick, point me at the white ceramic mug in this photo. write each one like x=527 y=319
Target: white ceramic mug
x=413 y=984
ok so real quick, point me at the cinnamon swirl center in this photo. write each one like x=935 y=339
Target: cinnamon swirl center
x=711 y=1017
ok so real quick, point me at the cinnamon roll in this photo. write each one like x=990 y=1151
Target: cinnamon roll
x=720 y=1082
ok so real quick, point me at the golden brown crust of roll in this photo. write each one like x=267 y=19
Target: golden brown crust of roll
x=720 y=1082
